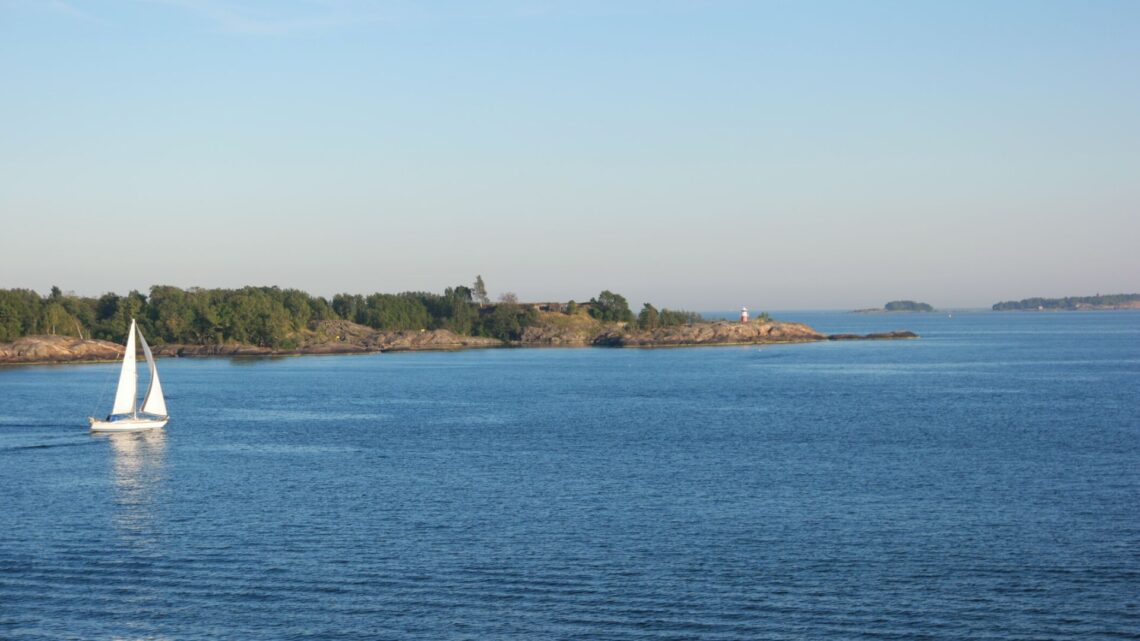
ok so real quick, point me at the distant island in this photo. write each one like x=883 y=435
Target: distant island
x=255 y=321
x=1071 y=303
x=898 y=306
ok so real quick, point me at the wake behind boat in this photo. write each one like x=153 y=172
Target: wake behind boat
x=126 y=414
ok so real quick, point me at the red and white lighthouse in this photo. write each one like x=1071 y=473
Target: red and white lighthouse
x=744 y=314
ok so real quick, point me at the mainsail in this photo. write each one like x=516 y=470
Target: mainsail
x=128 y=378
x=153 y=403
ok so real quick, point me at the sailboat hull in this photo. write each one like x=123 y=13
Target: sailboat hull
x=127 y=424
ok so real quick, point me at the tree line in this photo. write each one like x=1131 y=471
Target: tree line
x=1069 y=302
x=612 y=307
x=273 y=317
x=252 y=315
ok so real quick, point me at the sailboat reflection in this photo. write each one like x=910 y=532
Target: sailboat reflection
x=138 y=474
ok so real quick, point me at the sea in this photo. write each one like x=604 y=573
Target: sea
x=980 y=482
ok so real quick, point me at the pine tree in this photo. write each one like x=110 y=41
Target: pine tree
x=479 y=291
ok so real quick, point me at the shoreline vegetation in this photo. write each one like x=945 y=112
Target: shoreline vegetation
x=269 y=321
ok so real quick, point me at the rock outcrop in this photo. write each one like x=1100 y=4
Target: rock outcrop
x=233 y=349
x=871 y=337
x=437 y=339
x=339 y=336
x=715 y=333
x=58 y=349
x=567 y=335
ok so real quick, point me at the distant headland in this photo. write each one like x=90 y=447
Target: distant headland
x=897 y=306
x=1071 y=303
x=255 y=321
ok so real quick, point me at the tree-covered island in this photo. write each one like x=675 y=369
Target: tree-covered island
x=271 y=320
x=898 y=306
x=1071 y=303
x=280 y=318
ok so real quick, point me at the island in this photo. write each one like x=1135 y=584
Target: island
x=1071 y=303
x=898 y=306
x=267 y=321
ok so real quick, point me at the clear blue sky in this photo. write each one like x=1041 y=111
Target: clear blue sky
x=695 y=154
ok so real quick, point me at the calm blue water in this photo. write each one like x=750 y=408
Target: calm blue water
x=982 y=482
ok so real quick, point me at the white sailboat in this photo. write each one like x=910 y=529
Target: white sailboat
x=127 y=415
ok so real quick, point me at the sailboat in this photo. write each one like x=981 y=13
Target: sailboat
x=127 y=415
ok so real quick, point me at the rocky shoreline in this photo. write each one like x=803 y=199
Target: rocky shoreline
x=343 y=337
x=58 y=349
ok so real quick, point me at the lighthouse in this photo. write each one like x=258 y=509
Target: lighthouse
x=744 y=314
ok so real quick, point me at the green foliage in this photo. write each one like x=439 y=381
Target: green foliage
x=113 y=316
x=170 y=314
x=502 y=323
x=56 y=320
x=264 y=316
x=20 y=311
x=671 y=317
x=454 y=310
x=651 y=318
x=393 y=312
x=648 y=318
x=81 y=312
x=571 y=308
x=610 y=307
x=23 y=312
x=10 y=328
x=347 y=306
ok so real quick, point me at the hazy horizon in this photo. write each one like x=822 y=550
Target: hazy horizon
x=696 y=155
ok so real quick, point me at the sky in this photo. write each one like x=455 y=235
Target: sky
x=693 y=154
